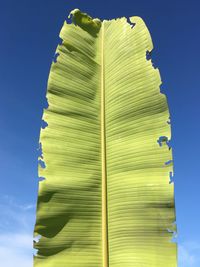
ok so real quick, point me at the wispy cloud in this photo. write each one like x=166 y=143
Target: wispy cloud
x=16 y=215
x=16 y=228
x=189 y=254
x=16 y=250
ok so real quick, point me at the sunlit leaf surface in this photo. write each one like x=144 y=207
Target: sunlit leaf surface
x=106 y=200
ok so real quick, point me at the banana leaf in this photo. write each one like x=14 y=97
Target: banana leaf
x=105 y=198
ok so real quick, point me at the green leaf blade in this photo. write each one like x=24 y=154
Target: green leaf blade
x=69 y=202
x=140 y=198
x=106 y=200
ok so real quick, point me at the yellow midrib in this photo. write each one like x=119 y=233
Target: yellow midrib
x=103 y=159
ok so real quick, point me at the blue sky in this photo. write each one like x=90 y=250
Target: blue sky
x=29 y=36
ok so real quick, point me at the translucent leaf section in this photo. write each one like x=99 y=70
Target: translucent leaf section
x=107 y=199
x=69 y=201
x=140 y=198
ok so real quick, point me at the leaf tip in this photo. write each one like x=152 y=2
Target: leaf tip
x=84 y=21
